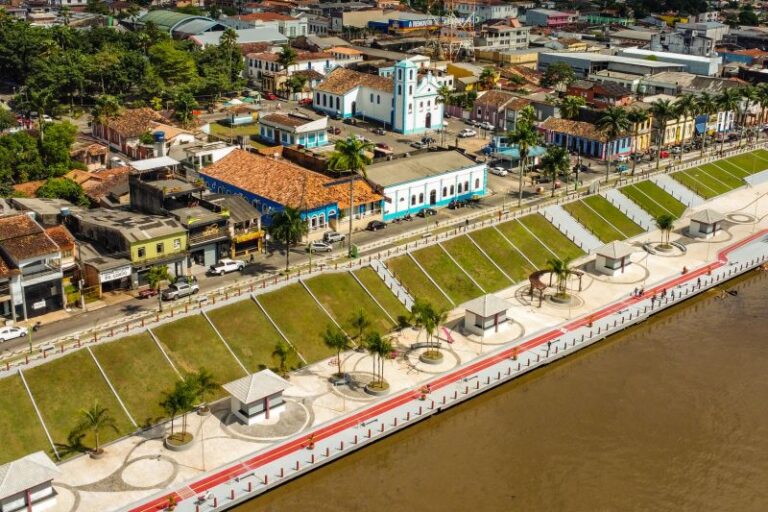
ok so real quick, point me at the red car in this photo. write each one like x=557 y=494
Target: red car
x=305 y=101
x=269 y=96
x=664 y=154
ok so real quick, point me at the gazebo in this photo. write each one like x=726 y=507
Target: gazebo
x=486 y=314
x=26 y=484
x=705 y=224
x=257 y=397
x=613 y=258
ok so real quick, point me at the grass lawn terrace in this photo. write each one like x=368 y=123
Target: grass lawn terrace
x=525 y=242
x=342 y=296
x=447 y=274
x=65 y=386
x=479 y=267
x=693 y=182
x=616 y=217
x=20 y=429
x=653 y=199
x=417 y=284
x=502 y=253
x=384 y=295
x=250 y=335
x=140 y=374
x=300 y=318
x=192 y=344
x=553 y=237
x=593 y=222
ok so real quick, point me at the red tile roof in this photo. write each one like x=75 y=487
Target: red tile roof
x=283 y=182
x=576 y=128
x=264 y=16
x=134 y=122
x=61 y=237
x=22 y=238
x=341 y=80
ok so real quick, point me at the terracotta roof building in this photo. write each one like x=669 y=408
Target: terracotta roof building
x=498 y=108
x=584 y=138
x=123 y=132
x=342 y=80
x=271 y=185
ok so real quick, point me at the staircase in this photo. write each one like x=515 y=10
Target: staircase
x=629 y=208
x=571 y=228
x=393 y=284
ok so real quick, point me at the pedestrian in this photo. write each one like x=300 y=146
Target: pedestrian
x=663 y=292
x=653 y=301
x=634 y=293
x=251 y=258
x=698 y=282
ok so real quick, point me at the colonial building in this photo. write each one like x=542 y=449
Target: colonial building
x=584 y=138
x=291 y=128
x=498 y=108
x=406 y=103
x=601 y=95
x=266 y=70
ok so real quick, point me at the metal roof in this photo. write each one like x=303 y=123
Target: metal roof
x=487 y=306
x=418 y=167
x=256 y=386
x=169 y=19
x=26 y=473
x=615 y=250
x=707 y=217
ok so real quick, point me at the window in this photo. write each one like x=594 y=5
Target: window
x=421 y=105
x=160 y=248
x=410 y=74
x=421 y=198
x=410 y=89
x=410 y=107
x=451 y=190
x=399 y=74
x=445 y=191
x=142 y=252
x=177 y=243
x=402 y=199
x=324 y=102
x=371 y=97
x=413 y=200
x=399 y=90
x=477 y=183
x=429 y=104
x=337 y=103
x=378 y=99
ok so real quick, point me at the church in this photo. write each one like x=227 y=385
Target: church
x=405 y=103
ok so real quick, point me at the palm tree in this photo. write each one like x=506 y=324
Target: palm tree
x=749 y=94
x=288 y=227
x=614 y=123
x=282 y=352
x=570 y=106
x=554 y=162
x=728 y=101
x=445 y=94
x=204 y=385
x=637 y=117
x=666 y=223
x=171 y=405
x=156 y=275
x=762 y=100
x=707 y=106
x=488 y=78
x=287 y=57
x=687 y=106
x=525 y=137
x=183 y=105
x=95 y=419
x=663 y=111
x=561 y=269
x=350 y=155
x=360 y=321
x=181 y=399
x=335 y=339
x=378 y=347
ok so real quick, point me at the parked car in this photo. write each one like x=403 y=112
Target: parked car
x=305 y=101
x=467 y=132
x=350 y=120
x=147 y=293
x=379 y=131
x=384 y=145
x=269 y=96
x=9 y=333
x=418 y=145
x=375 y=225
x=499 y=171
x=456 y=204
x=664 y=154
x=676 y=150
x=487 y=126
x=427 y=212
x=335 y=130
x=319 y=247
x=225 y=266
x=179 y=290
x=333 y=237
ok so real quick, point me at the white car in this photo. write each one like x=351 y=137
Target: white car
x=676 y=150
x=9 y=333
x=499 y=171
x=319 y=247
x=467 y=132
x=225 y=266
x=487 y=126
x=623 y=158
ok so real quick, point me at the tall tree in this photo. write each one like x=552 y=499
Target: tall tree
x=570 y=106
x=350 y=155
x=183 y=105
x=729 y=101
x=282 y=352
x=488 y=77
x=638 y=118
x=558 y=74
x=750 y=96
x=555 y=161
x=707 y=106
x=287 y=227
x=95 y=419
x=360 y=321
x=155 y=276
x=204 y=384
x=663 y=111
x=335 y=339
x=525 y=137
x=665 y=223
x=287 y=57
x=561 y=269
x=614 y=123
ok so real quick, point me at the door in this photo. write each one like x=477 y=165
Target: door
x=354 y=108
x=428 y=120
x=433 y=198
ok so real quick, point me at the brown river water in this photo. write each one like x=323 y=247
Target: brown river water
x=669 y=416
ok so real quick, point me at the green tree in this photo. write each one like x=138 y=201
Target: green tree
x=488 y=77
x=379 y=348
x=287 y=227
x=350 y=155
x=204 y=385
x=20 y=159
x=287 y=57
x=555 y=161
x=282 y=351
x=561 y=269
x=107 y=107
x=729 y=101
x=558 y=73
x=614 y=123
x=63 y=188
x=750 y=95
x=155 y=276
x=335 y=339
x=570 y=106
x=662 y=111
x=748 y=17
x=7 y=120
x=183 y=105
x=665 y=223
x=180 y=400
x=637 y=117
x=95 y=419
x=360 y=321
x=707 y=106
x=175 y=66
x=525 y=137
x=55 y=147
x=296 y=83
x=445 y=94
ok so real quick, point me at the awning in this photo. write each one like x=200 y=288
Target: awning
x=701 y=128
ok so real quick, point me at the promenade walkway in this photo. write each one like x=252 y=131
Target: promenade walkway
x=230 y=461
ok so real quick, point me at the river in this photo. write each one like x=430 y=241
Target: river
x=669 y=416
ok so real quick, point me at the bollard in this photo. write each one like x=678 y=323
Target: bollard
x=432 y=405
x=477 y=385
x=382 y=426
x=355 y=442
x=509 y=370
x=282 y=472
x=215 y=502
x=518 y=366
x=232 y=494
x=408 y=416
x=394 y=423
x=455 y=395
x=250 y=486
x=342 y=446
x=582 y=338
x=498 y=376
x=312 y=459
x=466 y=390
x=297 y=465
x=420 y=410
x=266 y=479
x=369 y=433
x=26 y=359
x=443 y=399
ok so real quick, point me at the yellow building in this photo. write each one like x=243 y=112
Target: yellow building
x=672 y=19
x=642 y=135
x=675 y=131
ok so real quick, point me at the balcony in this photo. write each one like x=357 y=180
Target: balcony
x=208 y=235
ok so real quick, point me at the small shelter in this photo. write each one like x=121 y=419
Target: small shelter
x=613 y=258
x=486 y=315
x=257 y=397
x=705 y=224
x=26 y=484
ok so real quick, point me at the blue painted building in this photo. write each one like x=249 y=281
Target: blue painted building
x=584 y=138
x=428 y=180
x=292 y=128
x=271 y=185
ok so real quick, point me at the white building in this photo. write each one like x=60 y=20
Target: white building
x=263 y=67
x=507 y=37
x=257 y=397
x=407 y=103
x=26 y=484
x=427 y=180
x=707 y=66
x=289 y=26
x=486 y=9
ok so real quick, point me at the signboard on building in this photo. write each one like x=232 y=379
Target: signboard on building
x=115 y=273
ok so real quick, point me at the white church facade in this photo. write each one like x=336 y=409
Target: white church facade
x=405 y=103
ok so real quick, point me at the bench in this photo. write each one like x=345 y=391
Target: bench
x=339 y=380
x=425 y=344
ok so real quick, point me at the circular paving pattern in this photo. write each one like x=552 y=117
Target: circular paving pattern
x=68 y=499
x=294 y=419
x=513 y=331
x=450 y=360
x=147 y=472
x=355 y=390
x=740 y=218
x=575 y=302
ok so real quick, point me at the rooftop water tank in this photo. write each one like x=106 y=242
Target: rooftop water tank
x=159 y=136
